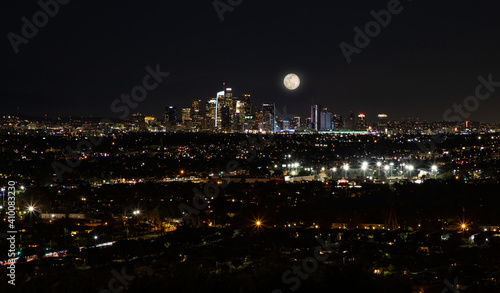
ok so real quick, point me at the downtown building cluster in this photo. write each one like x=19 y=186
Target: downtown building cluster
x=227 y=113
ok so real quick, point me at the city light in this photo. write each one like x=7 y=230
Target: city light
x=434 y=168
x=364 y=166
x=379 y=164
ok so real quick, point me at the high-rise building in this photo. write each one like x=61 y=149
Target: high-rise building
x=316 y=117
x=186 y=113
x=225 y=116
x=349 y=122
x=219 y=102
x=170 y=115
x=326 y=118
x=238 y=119
x=296 y=123
x=308 y=123
x=268 y=117
x=338 y=124
x=382 y=121
x=196 y=113
x=361 y=123
x=249 y=121
x=285 y=125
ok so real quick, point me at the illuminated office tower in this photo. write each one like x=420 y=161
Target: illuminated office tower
x=257 y=118
x=170 y=115
x=382 y=121
x=210 y=114
x=268 y=117
x=316 y=117
x=361 y=124
x=249 y=121
x=225 y=116
x=219 y=102
x=337 y=122
x=186 y=113
x=308 y=122
x=296 y=123
x=239 y=115
x=326 y=119
x=196 y=113
x=285 y=125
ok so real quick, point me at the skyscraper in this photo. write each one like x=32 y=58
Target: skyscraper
x=326 y=118
x=196 y=113
x=249 y=121
x=210 y=114
x=268 y=117
x=238 y=118
x=361 y=123
x=170 y=115
x=338 y=124
x=219 y=102
x=186 y=115
x=316 y=117
x=349 y=122
x=382 y=122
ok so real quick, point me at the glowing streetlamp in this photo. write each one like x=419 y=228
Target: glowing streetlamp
x=434 y=169
x=410 y=167
x=346 y=168
x=364 y=167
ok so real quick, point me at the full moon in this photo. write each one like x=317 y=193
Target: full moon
x=291 y=81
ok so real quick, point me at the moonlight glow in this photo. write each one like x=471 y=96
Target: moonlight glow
x=291 y=81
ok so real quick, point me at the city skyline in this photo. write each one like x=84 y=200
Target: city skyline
x=250 y=146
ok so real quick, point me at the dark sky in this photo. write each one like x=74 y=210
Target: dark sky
x=90 y=52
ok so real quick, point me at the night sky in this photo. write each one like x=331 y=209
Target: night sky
x=90 y=52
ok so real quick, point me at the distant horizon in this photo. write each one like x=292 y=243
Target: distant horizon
x=98 y=117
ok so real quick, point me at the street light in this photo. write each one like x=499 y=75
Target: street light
x=379 y=164
x=346 y=168
x=410 y=167
x=364 y=166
